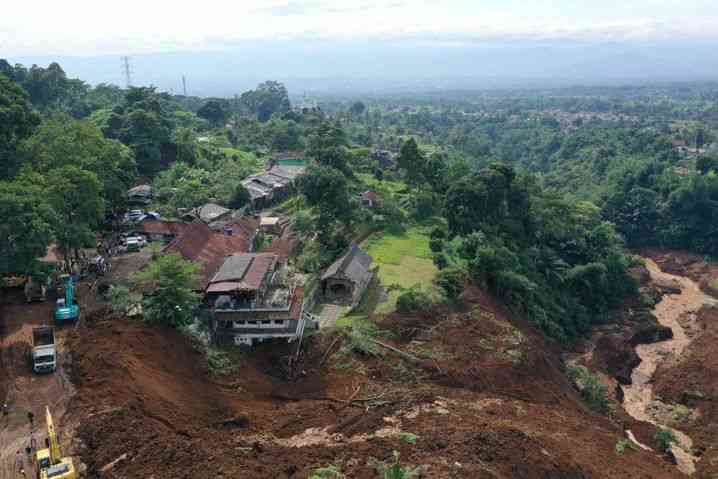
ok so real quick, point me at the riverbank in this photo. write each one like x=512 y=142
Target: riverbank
x=677 y=312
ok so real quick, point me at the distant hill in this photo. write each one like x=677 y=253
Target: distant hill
x=373 y=67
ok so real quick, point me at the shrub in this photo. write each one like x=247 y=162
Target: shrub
x=394 y=470
x=451 y=281
x=440 y=260
x=592 y=390
x=329 y=472
x=664 y=438
x=436 y=244
x=361 y=337
x=121 y=300
x=412 y=300
x=438 y=233
x=622 y=445
x=408 y=437
x=220 y=363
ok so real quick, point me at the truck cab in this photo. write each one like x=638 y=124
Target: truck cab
x=44 y=353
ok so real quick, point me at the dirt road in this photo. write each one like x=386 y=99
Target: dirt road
x=676 y=311
x=25 y=391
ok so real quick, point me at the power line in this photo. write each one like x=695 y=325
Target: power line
x=127 y=71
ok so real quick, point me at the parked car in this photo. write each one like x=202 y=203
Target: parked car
x=134 y=215
x=135 y=243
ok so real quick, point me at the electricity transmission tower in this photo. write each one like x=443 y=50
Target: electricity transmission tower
x=127 y=71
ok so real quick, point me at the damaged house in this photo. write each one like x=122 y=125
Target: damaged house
x=250 y=300
x=274 y=185
x=199 y=243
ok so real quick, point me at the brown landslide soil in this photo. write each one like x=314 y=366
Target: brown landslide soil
x=486 y=399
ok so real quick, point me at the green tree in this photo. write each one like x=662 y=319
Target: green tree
x=61 y=141
x=412 y=162
x=357 y=109
x=17 y=121
x=168 y=286
x=706 y=164
x=267 y=99
x=635 y=214
x=214 y=111
x=700 y=138
x=327 y=147
x=187 y=146
x=75 y=196
x=325 y=188
x=26 y=228
x=240 y=197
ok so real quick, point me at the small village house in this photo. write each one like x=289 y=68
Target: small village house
x=271 y=225
x=347 y=278
x=277 y=182
x=369 y=199
x=208 y=213
x=200 y=244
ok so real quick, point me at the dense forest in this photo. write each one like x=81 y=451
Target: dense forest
x=536 y=196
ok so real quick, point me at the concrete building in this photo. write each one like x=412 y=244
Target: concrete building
x=250 y=300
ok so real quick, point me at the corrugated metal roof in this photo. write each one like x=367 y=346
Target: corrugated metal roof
x=354 y=265
x=233 y=268
x=245 y=271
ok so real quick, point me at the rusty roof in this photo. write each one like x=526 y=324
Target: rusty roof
x=199 y=243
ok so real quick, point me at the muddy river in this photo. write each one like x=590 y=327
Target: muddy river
x=676 y=311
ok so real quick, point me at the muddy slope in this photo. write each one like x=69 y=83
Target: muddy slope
x=690 y=387
x=487 y=399
x=677 y=312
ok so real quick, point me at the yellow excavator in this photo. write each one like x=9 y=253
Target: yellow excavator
x=49 y=461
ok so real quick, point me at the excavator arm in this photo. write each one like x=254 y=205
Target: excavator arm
x=55 y=456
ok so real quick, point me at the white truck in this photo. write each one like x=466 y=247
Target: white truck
x=44 y=354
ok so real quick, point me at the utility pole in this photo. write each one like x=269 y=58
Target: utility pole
x=184 y=86
x=127 y=71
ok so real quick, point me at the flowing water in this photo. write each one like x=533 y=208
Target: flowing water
x=639 y=395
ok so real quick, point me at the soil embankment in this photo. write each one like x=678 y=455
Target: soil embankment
x=677 y=312
x=488 y=399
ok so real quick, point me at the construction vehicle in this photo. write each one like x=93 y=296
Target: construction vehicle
x=44 y=354
x=66 y=307
x=49 y=461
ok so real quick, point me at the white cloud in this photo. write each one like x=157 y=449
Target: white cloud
x=82 y=27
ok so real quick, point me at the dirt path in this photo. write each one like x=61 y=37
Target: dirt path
x=28 y=392
x=676 y=311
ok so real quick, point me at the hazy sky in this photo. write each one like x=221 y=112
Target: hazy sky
x=87 y=27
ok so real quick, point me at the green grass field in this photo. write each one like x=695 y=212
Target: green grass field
x=403 y=260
